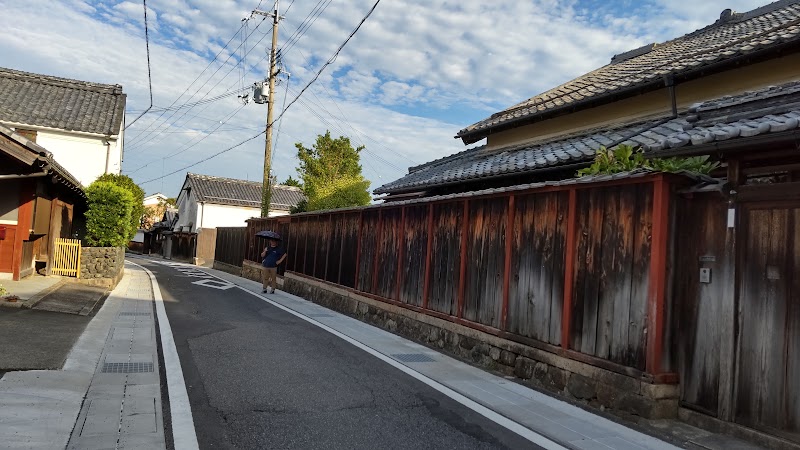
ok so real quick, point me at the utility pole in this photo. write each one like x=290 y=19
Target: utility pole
x=266 y=188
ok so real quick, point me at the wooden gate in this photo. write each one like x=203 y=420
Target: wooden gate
x=768 y=363
x=66 y=257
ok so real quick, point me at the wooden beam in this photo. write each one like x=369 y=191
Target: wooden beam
x=729 y=320
x=427 y=283
x=657 y=287
x=24 y=222
x=569 y=269
x=401 y=240
x=462 y=278
x=377 y=255
x=358 y=246
x=507 y=263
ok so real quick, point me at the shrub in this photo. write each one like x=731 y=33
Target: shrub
x=126 y=182
x=108 y=220
x=626 y=158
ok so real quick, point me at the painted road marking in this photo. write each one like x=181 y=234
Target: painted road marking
x=183 y=433
x=501 y=420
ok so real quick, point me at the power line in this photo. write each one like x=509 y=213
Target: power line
x=204 y=84
x=198 y=76
x=331 y=59
x=149 y=76
x=205 y=159
x=305 y=25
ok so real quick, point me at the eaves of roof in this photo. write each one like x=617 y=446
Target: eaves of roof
x=741 y=38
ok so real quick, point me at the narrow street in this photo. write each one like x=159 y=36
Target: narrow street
x=259 y=377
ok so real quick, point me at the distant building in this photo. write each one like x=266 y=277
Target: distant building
x=209 y=202
x=81 y=123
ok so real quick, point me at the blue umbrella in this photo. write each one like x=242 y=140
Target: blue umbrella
x=266 y=234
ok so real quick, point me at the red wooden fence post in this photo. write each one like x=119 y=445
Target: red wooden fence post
x=569 y=268
x=328 y=246
x=656 y=290
x=377 y=256
x=358 y=247
x=462 y=279
x=427 y=276
x=507 y=263
x=400 y=253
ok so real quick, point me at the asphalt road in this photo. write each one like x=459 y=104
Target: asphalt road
x=258 y=377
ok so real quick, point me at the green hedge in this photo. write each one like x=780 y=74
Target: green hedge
x=108 y=220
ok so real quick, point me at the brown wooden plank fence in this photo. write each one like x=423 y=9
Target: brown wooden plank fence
x=230 y=247
x=534 y=265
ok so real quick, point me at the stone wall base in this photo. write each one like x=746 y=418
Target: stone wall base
x=101 y=266
x=729 y=428
x=544 y=370
x=251 y=271
x=227 y=268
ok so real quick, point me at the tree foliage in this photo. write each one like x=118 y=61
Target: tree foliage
x=154 y=214
x=625 y=158
x=127 y=183
x=331 y=174
x=108 y=219
x=292 y=182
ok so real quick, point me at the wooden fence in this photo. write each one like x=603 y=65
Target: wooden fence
x=576 y=269
x=230 y=245
x=66 y=257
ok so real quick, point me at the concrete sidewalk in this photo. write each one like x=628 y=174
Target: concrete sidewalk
x=41 y=409
x=558 y=421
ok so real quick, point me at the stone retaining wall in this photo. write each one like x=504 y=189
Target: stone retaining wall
x=573 y=379
x=102 y=266
x=251 y=271
x=228 y=268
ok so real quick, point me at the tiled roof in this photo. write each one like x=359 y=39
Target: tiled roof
x=41 y=100
x=45 y=160
x=769 y=110
x=230 y=191
x=734 y=35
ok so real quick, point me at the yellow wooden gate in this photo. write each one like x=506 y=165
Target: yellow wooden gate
x=66 y=258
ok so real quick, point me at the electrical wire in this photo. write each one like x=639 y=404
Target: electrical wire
x=206 y=158
x=330 y=60
x=149 y=76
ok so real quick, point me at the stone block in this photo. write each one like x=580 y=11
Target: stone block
x=494 y=353
x=523 y=367
x=507 y=358
x=540 y=371
x=581 y=387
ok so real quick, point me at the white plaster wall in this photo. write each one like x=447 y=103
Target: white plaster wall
x=83 y=156
x=187 y=212
x=212 y=216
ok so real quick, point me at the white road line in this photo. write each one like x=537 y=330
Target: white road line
x=183 y=432
x=501 y=420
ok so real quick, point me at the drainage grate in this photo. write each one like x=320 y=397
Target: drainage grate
x=412 y=357
x=319 y=315
x=134 y=314
x=128 y=367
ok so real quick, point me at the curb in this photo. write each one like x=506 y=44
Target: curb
x=31 y=302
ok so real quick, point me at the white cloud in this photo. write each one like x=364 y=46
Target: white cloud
x=446 y=59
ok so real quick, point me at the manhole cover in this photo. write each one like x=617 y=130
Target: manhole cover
x=134 y=314
x=412 y=357
x=128 y=367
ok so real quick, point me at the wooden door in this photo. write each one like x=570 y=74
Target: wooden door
x=768 y=360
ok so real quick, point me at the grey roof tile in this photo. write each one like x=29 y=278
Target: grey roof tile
x=47 y=101
x=769 y=110
x=769 y=26
x=230 y=191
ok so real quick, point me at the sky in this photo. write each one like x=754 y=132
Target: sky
x=415 y=74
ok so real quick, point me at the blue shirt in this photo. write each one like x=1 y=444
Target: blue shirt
x=272 y=257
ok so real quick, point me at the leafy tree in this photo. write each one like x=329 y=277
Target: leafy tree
x=331 y=173
x=108 y=219
x=126 y=182
x=153 y=214
x=625 y=158
x=292 y=182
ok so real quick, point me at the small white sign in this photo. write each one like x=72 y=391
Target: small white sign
x=731 y=217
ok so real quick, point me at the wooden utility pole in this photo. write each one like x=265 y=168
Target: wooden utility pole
x=266 y=188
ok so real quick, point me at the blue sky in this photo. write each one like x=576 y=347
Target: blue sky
x=415 y=74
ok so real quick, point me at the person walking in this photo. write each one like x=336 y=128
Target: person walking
x=272 y=256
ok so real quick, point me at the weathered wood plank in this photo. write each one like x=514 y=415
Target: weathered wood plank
x=446 y=257
x=388 y=246
x=350 y=240
x=609 y=278
x=368 y=243
x=485 y=260
x=640 y=276
x=415 y=241
x=620 y=289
